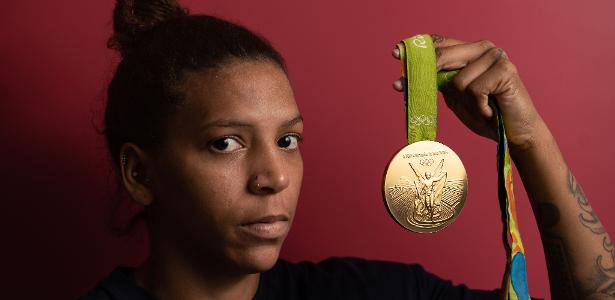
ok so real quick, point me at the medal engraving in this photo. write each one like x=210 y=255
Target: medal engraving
x=425 y=186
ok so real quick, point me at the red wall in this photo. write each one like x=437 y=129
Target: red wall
x=56 y=182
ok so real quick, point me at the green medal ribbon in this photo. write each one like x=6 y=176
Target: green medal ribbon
x=418 y=58
x=422 y=82
x=421 y=91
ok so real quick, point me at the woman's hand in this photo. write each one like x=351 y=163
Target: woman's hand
x=486 y=71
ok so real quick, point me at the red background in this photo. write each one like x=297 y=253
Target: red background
x=56 y=183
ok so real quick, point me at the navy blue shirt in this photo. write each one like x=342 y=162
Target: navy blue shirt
x=334 y=278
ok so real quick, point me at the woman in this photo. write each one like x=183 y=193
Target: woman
x=203 y=127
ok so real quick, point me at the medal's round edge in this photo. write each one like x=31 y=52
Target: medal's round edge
x=386 y=204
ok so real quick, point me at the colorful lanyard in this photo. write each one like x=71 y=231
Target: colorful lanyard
x=422 y=84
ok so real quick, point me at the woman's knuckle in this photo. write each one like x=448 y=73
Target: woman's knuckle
x=507 y=67
x=486 y=44
x=495 y=53
x=474 y=89
x=459 y=83
x=437 y=39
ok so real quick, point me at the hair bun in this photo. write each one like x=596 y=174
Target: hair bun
x=131 y=17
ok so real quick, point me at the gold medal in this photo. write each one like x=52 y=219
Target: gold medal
x=425 y=186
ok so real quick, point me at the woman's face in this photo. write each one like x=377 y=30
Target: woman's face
x=227 y=179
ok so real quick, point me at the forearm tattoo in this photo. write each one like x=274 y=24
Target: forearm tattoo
x=564 y=283
x=604 y=279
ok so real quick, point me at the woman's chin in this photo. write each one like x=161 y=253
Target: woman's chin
x=259 y=258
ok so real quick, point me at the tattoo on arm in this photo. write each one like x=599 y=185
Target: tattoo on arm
x=605 y=274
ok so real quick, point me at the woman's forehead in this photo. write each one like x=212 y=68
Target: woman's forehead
x=251 y=91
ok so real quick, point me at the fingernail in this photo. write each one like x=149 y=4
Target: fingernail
x=398 y=85
x=396 y=52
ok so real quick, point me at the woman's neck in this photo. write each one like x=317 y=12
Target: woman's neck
x=169 y=275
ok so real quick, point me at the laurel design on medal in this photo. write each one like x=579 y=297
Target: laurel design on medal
x=425 y=186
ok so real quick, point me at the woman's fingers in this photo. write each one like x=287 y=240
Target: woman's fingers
x=460 y=55
x=438 y=41
x=473 y=71
x=452 y=54
x=476 y=68
x=500 y=80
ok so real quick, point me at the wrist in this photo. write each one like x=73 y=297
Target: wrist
x=540 y=141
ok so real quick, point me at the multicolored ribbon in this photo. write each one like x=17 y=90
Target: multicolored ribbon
x=514 y=285
x=422 y=83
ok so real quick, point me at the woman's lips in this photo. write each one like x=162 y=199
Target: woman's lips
x=270 y=227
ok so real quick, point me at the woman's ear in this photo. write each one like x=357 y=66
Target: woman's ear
x=134 y=171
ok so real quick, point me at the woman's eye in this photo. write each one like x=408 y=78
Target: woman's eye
x=227 y=144
x=289 y=142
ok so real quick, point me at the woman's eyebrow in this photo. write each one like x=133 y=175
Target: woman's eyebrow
x=293 y=121
x=226 y=123
x=235 y=123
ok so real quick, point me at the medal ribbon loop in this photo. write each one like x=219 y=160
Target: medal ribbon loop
x=422 y=82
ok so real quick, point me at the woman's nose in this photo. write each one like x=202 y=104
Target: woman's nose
x=269 y=172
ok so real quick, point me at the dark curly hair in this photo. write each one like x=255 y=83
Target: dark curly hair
x=159 y=41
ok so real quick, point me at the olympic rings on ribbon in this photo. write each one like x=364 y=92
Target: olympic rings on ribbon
x=421 y=120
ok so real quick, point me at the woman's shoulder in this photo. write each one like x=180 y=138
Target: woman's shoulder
x=119 y=284
x=358 y=278
x=332 y=278
x=348 y=268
